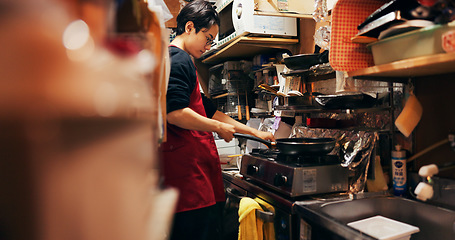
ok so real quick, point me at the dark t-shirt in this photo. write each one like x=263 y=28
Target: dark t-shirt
x=182 y=81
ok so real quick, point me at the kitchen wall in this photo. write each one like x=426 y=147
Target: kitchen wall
x=436 y=94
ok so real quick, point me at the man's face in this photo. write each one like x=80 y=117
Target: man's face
x=201 y=41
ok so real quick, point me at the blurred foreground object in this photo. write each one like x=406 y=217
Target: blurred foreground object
x=79 y=126
x=424 y=190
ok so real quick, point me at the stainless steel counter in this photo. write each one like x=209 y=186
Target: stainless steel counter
x=334 y=215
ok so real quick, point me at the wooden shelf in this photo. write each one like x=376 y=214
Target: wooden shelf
x=244 y=47
x=414 y=67
x=284 y=14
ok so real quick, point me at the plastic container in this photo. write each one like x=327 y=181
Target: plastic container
x=399 y=171
x=422 y=42
x=384 y=228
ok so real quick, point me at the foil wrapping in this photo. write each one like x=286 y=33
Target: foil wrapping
x=355 y=149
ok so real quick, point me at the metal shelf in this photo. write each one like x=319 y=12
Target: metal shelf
x=311 y=75
x=319 y=110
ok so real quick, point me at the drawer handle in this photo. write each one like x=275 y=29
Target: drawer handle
x=263 y=215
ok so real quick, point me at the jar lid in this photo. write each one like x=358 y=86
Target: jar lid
x=398 y=153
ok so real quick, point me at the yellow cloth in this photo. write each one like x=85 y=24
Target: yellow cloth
x=268 y=228
x=250 y=227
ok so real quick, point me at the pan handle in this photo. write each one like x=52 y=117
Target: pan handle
x=250 y=137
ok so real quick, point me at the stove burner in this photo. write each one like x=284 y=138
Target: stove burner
x=265 y=152
x=297 y=160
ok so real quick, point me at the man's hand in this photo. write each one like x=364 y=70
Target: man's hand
x=265 y=135
x=226 y=131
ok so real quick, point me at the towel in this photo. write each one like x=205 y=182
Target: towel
x=268 y=228
x=250 y=227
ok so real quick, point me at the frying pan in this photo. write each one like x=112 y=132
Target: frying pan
x=345 y=100
x=296 y=146
x=305 y=61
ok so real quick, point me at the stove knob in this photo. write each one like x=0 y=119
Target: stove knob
x=251 y=170
x=280 y=180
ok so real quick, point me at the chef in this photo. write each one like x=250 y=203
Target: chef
x=190 y=159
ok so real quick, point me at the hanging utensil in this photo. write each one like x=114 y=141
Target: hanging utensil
x=271 y=89
x=239 y=107
x=247 y=108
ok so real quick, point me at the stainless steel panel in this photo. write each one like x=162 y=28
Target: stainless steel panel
x=295 y=180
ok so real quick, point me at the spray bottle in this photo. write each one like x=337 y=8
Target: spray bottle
x=399 y=171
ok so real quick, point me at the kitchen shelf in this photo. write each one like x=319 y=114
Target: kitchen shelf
x=271 y=67
x=284 y=14
x=243 y=47
x=296 y=72
x=296 y=109
x=310 y=75
x=261 y=115
x=401 y=70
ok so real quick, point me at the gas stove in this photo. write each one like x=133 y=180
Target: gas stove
x=295 y=175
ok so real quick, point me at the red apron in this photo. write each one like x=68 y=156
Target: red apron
x=190 y=163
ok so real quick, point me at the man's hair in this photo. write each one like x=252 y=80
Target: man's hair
x=200 y=12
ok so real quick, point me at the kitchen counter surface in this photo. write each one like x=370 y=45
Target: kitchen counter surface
x=309 y=211
x=333 y=214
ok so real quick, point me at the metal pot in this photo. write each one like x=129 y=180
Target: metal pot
x=296 y=146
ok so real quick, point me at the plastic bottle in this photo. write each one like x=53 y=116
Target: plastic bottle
x=399 y=171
